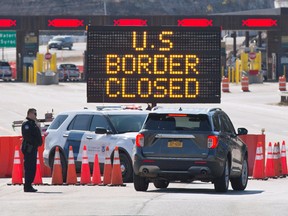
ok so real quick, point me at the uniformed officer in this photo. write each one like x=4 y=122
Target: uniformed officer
x=32 y=139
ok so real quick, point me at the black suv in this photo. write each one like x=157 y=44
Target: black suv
x=190 y=144
x=60 y=42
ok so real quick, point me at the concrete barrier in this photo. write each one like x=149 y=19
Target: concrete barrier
x=7 y=148
x=251 y=140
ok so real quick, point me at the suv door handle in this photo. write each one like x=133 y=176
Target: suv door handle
x=65 y=135
x=88 y=137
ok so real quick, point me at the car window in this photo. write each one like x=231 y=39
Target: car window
x=216 y=124
x=226 y=125
x=56 y=123
x=99 y=121
x=127 y=123
x=80 y=122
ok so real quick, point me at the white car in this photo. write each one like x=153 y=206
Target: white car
x=96 y=129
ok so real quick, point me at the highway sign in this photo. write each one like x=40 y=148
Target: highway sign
x=7 y=38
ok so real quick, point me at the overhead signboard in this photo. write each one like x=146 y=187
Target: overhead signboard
x=77 y=23
x=153 y=64
x=7 y=39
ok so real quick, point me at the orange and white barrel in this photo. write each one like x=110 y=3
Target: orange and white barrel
x=245 y=83
x=225 y=84
x=282 y=83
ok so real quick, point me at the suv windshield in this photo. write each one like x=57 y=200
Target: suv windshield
x=4 y=64
x=127 y=123
x=58 y=39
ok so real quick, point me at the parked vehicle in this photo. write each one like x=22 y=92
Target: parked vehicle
x=60 y=42
x=190 y=144
x=68 y=72
x=5 y=71
x=96 y=129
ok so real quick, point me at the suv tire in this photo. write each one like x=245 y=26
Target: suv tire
x=140 y=183
x=221 y=184
x=161 y=183
x=126 y=168
x=240 y=183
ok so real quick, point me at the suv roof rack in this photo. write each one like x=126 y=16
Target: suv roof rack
x=215 y=109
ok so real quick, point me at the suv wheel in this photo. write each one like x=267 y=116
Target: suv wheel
x=126 y=168
x=240 y=182
x=161 y=183
x=221 y=184
x=140 y=183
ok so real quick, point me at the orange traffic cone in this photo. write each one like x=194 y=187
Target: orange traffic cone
x=283 y=159
x=38 y=175
x=279 y=166
x=270 y=169
x=107 y=168
x=116 y=177
x=276 y=159
x=57 y=178
x=258 y=169
x=71 y=170
x=17 y=173
x=96 y=177
x=85 y=169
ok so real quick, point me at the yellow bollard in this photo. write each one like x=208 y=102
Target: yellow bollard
x=24 y=74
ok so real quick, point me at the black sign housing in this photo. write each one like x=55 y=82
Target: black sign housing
x=155 y=64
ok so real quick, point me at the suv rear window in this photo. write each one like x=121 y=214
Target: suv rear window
x=56 y=123
x=127 y=123
x=191 y=122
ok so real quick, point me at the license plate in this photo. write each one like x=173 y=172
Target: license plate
x=175 y=144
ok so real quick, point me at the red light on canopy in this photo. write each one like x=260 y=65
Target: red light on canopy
x=259 y=22
x=65 y=23
x=195 y=22
x=7 y=23
x=130 y=22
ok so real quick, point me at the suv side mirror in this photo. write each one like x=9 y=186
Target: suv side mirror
x=242 y=131
x=100 y=130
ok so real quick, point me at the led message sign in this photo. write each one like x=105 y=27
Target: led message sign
x=153 y=64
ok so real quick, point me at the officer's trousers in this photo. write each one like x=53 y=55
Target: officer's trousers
x=30 y=161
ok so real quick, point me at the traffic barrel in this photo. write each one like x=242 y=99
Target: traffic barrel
x=245 y=83
x=282 y=83
x=225 y=84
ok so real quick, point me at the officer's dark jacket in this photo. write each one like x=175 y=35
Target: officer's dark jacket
x=31 y=132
